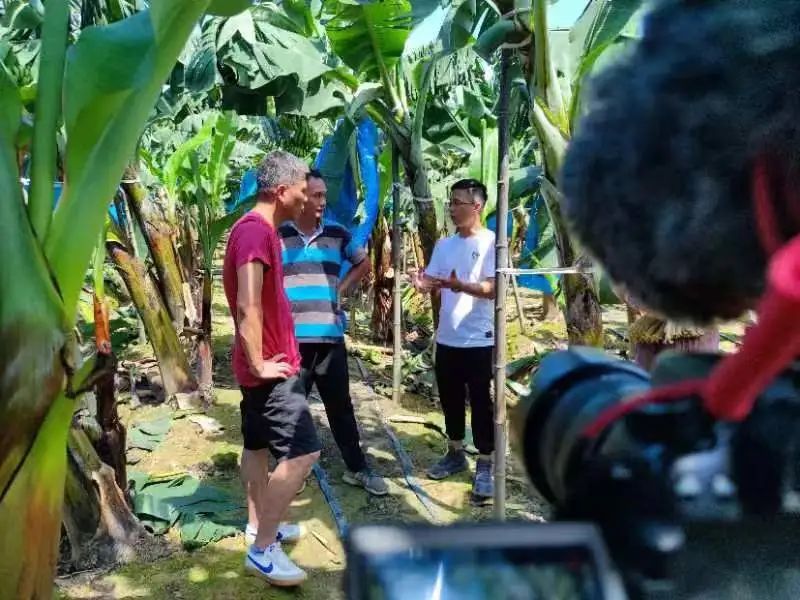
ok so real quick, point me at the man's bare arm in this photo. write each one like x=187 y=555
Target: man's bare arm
x=354 y=275
x=250 y=320
x=480 y=289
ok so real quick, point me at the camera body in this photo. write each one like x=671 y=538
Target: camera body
x=685 y=505
x=666 y=481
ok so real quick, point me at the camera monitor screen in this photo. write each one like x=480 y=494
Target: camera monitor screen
x=511 y=562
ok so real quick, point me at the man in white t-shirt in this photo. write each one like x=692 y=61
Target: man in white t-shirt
x=462 y=269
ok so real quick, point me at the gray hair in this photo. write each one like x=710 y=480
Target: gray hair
x=280 y=168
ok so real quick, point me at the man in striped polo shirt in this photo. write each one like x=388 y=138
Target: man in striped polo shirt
x=313 y=252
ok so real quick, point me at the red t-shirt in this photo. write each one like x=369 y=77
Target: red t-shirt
x=253 y=239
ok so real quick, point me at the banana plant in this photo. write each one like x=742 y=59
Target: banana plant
x=554 y=104
x=553 y=117
x=107 y=83
x=147 y=295
x=370 y=39
x=197 y=174
x=268 y=60
x=344 y=60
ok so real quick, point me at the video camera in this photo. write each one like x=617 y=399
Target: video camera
x=663 y=502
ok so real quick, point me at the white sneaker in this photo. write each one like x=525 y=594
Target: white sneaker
x=287 y=532
x=273 y=565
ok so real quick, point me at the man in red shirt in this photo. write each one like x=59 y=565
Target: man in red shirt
x=266 y=362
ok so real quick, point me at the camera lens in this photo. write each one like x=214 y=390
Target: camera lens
x=569 y=391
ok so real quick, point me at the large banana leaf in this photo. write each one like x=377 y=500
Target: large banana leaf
x=253 y=41
x=322 y=99
x=466 y=21
x=600 y=27
x=290 y=52
x=21 y=14
x=201 y=70
x=369 y=36
x=112 y=79
x=197 y=173
x=265 y=52
x=292 y=15
x=174 y=167
x=483 y=166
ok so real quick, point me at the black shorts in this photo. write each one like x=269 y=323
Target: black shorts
x=275 y=416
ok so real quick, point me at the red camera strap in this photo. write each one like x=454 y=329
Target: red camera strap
x=768 y=347
x=773 y=342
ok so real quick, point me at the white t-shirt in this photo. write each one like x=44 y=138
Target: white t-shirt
x=465 y=321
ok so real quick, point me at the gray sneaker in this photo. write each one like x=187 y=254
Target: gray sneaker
x=483 y=484
x=451 y=463
x=366 y=479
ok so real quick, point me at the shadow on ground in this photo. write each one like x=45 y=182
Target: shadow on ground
x=214 y=572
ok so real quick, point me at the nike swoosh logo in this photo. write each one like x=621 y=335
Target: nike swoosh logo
x=266 y=570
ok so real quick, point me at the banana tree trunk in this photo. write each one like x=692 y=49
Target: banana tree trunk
x=410 y=148
x=31 y=505
x=426 y=214
x=382 y=289
x=417 y=178
x=100 y=527
x=34 y=411
x=188 y=251
x=159 y=241
x=38 y=366
x=204 y=350
x=583 y=314
x=111 y=445
x=417 y=174
x=172 y=361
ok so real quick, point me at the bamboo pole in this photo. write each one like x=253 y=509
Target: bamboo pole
x=397 y=358
x=501 y=286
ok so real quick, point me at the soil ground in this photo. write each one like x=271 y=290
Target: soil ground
x=215 y=571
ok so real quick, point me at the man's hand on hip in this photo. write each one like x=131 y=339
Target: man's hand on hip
x=274 y=368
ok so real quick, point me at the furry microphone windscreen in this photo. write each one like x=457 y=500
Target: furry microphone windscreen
x=658 y=177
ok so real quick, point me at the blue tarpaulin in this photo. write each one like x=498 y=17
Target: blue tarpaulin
x=343 y=209
x=534 y=282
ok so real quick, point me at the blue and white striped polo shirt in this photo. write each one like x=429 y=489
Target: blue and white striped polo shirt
x=311 y=267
